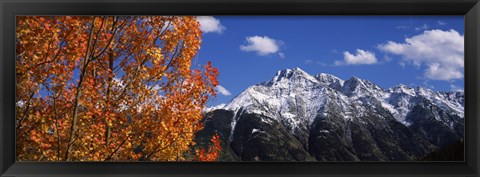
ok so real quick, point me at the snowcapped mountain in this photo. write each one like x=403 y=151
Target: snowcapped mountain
x=323 y=117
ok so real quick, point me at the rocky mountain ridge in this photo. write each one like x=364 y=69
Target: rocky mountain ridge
x=299 y=117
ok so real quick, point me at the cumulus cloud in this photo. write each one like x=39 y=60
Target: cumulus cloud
x=441 y=52
x=360 y=57
x=222 y=90
x=263 y=45
x=210 y=24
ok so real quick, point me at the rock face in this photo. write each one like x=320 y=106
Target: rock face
x=299 y=117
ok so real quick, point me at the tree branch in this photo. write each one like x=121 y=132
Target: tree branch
x=116 y=149
x=77 y=94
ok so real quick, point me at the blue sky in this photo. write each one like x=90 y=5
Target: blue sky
x=387 y=50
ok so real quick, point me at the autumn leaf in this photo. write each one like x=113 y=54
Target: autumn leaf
x=47 y=27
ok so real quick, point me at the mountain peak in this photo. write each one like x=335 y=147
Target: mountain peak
x=401 y=88
x=292 y=73
x=354 y=81
x=298 y=69
x=357 y=86
x=330 y=79
x=355 y=78
x=325 y=76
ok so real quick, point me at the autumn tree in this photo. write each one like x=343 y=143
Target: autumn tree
x=109 y=88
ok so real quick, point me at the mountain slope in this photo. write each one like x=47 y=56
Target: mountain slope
x=296 y=117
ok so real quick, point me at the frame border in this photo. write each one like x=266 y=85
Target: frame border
x=11 y=8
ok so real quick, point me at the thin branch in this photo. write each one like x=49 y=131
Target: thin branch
x=25 y=112
x=116 y=149
x=77 y=94
x=109 y=94
x=55 y=97
x=111 y=39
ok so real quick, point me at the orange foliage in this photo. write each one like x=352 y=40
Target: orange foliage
x=109 y=88
x=213 y=151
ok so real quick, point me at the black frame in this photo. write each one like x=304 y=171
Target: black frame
x=10 y=8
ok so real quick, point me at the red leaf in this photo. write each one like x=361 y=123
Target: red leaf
x=108 y=36
x=47 y=27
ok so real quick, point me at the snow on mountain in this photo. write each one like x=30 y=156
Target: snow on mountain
x=220 y=106
x=292 y=95
x=330 y=80
x=322 y=117
x=297 y=98
x=441 y=99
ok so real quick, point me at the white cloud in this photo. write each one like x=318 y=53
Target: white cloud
x=308 y=62
x=442 y=52
x=222 y=90
x=387 y=58
x=361 y=57
x=281 y=54
x=441 y=23
x=263 y=45
x=210 y=24
x=423 y=27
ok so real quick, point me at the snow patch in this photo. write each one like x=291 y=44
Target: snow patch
x=256 y=130
x=213 y=108
x=324 y=131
